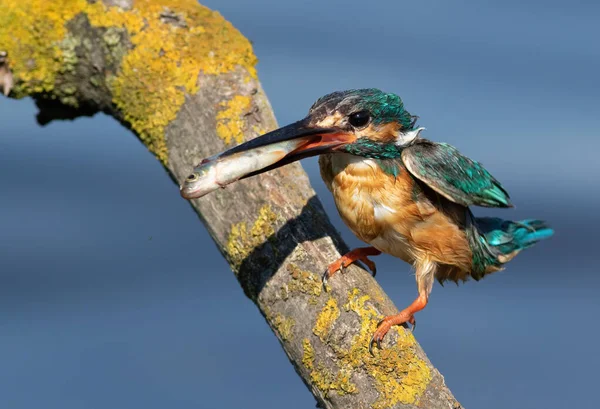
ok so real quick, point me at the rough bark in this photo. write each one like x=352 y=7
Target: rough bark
x=183 y=80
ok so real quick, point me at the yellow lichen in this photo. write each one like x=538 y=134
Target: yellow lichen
x=304 y=282
x=309 y=354
x=284 y=326
x=313 y=300
x=400 y=375
x=31 y=32
x=323 y=378
x=258 y=130
x=326 y=318
x=231 y=120
x=242 y=240
x=166 y=60
x=161 y=67
x=327 y=381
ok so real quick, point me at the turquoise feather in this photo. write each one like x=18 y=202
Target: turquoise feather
x=386 y=155
x=385 y=107
x=456 y=177
x=490 y=238
x=368 y=148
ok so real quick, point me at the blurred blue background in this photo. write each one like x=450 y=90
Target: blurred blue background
x=104 y=299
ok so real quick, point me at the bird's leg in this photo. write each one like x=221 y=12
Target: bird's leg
x=425 y=275
x=358 y=254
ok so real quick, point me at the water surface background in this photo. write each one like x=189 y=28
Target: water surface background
x=112 y=294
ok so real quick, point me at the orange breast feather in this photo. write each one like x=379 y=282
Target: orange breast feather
x=395 y=215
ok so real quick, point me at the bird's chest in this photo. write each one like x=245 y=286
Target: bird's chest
x=375 y=205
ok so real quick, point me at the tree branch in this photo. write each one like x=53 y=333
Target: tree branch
x=183 y=80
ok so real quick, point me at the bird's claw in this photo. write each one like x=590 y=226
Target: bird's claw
x=347 y=259
x=324 y=279
x=328 y=274
x=376 y=338
x=379 y=334
x=370 y=265
x=374 y=341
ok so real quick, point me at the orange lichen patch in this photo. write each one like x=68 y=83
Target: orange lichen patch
x=161 y=67
x=231 y=121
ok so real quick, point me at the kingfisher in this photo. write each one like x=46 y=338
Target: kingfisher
x=398 y=192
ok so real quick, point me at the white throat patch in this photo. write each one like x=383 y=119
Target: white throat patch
x=406 y=138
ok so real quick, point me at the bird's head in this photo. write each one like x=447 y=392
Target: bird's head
x=374 y=122
x=365 y=122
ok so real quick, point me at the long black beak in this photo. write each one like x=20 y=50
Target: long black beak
x=269 y=151
x=295 y=130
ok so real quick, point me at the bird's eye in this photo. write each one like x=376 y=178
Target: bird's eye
x=192 y=178
x=359 y=119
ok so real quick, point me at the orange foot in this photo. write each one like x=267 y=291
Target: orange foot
x=407 y=315
x=358 y=254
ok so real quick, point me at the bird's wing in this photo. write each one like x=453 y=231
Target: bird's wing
x=454 y=176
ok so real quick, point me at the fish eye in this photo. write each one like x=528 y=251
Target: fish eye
x=359 y=119
x=192 y=178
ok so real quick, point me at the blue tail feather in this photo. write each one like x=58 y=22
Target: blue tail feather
x=505 y=236
x=494 y=241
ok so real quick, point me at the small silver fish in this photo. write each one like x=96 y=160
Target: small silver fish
x=269 y=151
